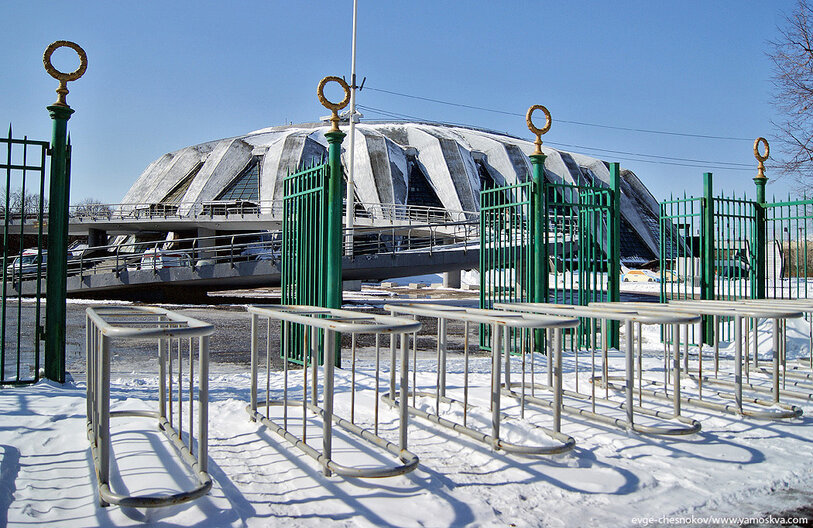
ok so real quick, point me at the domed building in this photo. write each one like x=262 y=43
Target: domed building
x=404 y=163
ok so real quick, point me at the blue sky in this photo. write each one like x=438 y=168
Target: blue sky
x=164 y=75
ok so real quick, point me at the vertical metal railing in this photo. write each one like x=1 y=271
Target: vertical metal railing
x=579 y=237
x=630 y=319
x=506 y=257
x=681 y=250
x=174 y=334
x=304 y=234
x=788 y=252
x=511 y=334
x=289 y=416
x=24 y=169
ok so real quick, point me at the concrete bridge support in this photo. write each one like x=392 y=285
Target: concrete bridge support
x=451 y=279
x=97 y=237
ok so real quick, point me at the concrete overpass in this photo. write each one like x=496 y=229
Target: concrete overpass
x=192 y=283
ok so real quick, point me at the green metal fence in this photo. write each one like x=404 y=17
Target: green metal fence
x=579 y=239
x=24 y=259
x=506 y=248
x=707 y=251
x=721 y=247
x=576 y=260
x=680 y=226
x=789 y=263
x=304 y=236
x=545 y=241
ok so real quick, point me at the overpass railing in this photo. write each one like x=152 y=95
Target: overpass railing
x=173 y=333
x=392 y=212
x=194 y=253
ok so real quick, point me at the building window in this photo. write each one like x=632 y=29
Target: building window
x=246 y=186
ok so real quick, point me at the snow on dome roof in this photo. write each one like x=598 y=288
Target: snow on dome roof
x=395 y=162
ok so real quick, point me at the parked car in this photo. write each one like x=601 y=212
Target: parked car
x=27 y=263
x=261 y=251
x=155 y=259
x=638 y=275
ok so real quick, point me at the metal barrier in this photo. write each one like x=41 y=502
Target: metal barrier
x=198 y=252
x=262 y=209
x=805 y=306
x=328 y=324
x=738 y=311
x=104 y=324
x=779 y=312
x=629 y=318
x=19 y=349
x=500 y=324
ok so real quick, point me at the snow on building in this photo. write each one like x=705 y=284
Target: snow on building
x=408 y=163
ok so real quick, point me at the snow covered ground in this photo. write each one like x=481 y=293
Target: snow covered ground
x=733 y=467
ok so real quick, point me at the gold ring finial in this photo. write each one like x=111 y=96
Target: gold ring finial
x=333 y=107
x=761 y=158
x=538 y=132
x=64 y=78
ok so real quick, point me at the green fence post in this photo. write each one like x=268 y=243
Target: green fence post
x=708 y=254
x=614 y=251
x=539 y=255
x=334 y=219
x=539 y=219
x=57 y=272
x=333 y=253
x=758 y=292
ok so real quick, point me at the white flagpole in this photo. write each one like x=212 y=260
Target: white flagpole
x=349 y=214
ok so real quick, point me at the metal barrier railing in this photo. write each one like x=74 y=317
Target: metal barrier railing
x=630 y=318
x=740 y=311
x=717 y=309
x=194 y=253
x=805 y=306
x=105 y=324
x=501 y=325
x=246 y=209
x=327 y=325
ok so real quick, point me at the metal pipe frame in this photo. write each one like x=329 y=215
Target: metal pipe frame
x=739 y=311
x=501 y=324
x=103 y=325
x=331 y=323
x=628 y=317
x=805 y=306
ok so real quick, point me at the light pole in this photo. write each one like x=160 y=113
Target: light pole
x=351 y=192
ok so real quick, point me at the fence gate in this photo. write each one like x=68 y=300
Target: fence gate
x=304 y=243
x=550 y=242
x=579 y=255
x=582 y=251
x=22 y=163
x=506 y=242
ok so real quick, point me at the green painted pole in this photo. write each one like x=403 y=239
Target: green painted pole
x=56 y=278
x=758 y=292
x=57 y=270
x=614 y=251
x=334 y=220
x=539 y=255
x=708 y=253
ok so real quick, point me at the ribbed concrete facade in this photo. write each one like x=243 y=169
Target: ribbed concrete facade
x=395 y=162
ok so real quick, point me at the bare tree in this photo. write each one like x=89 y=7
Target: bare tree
x=29 y=205
x=792 y=55
x=93 y=208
